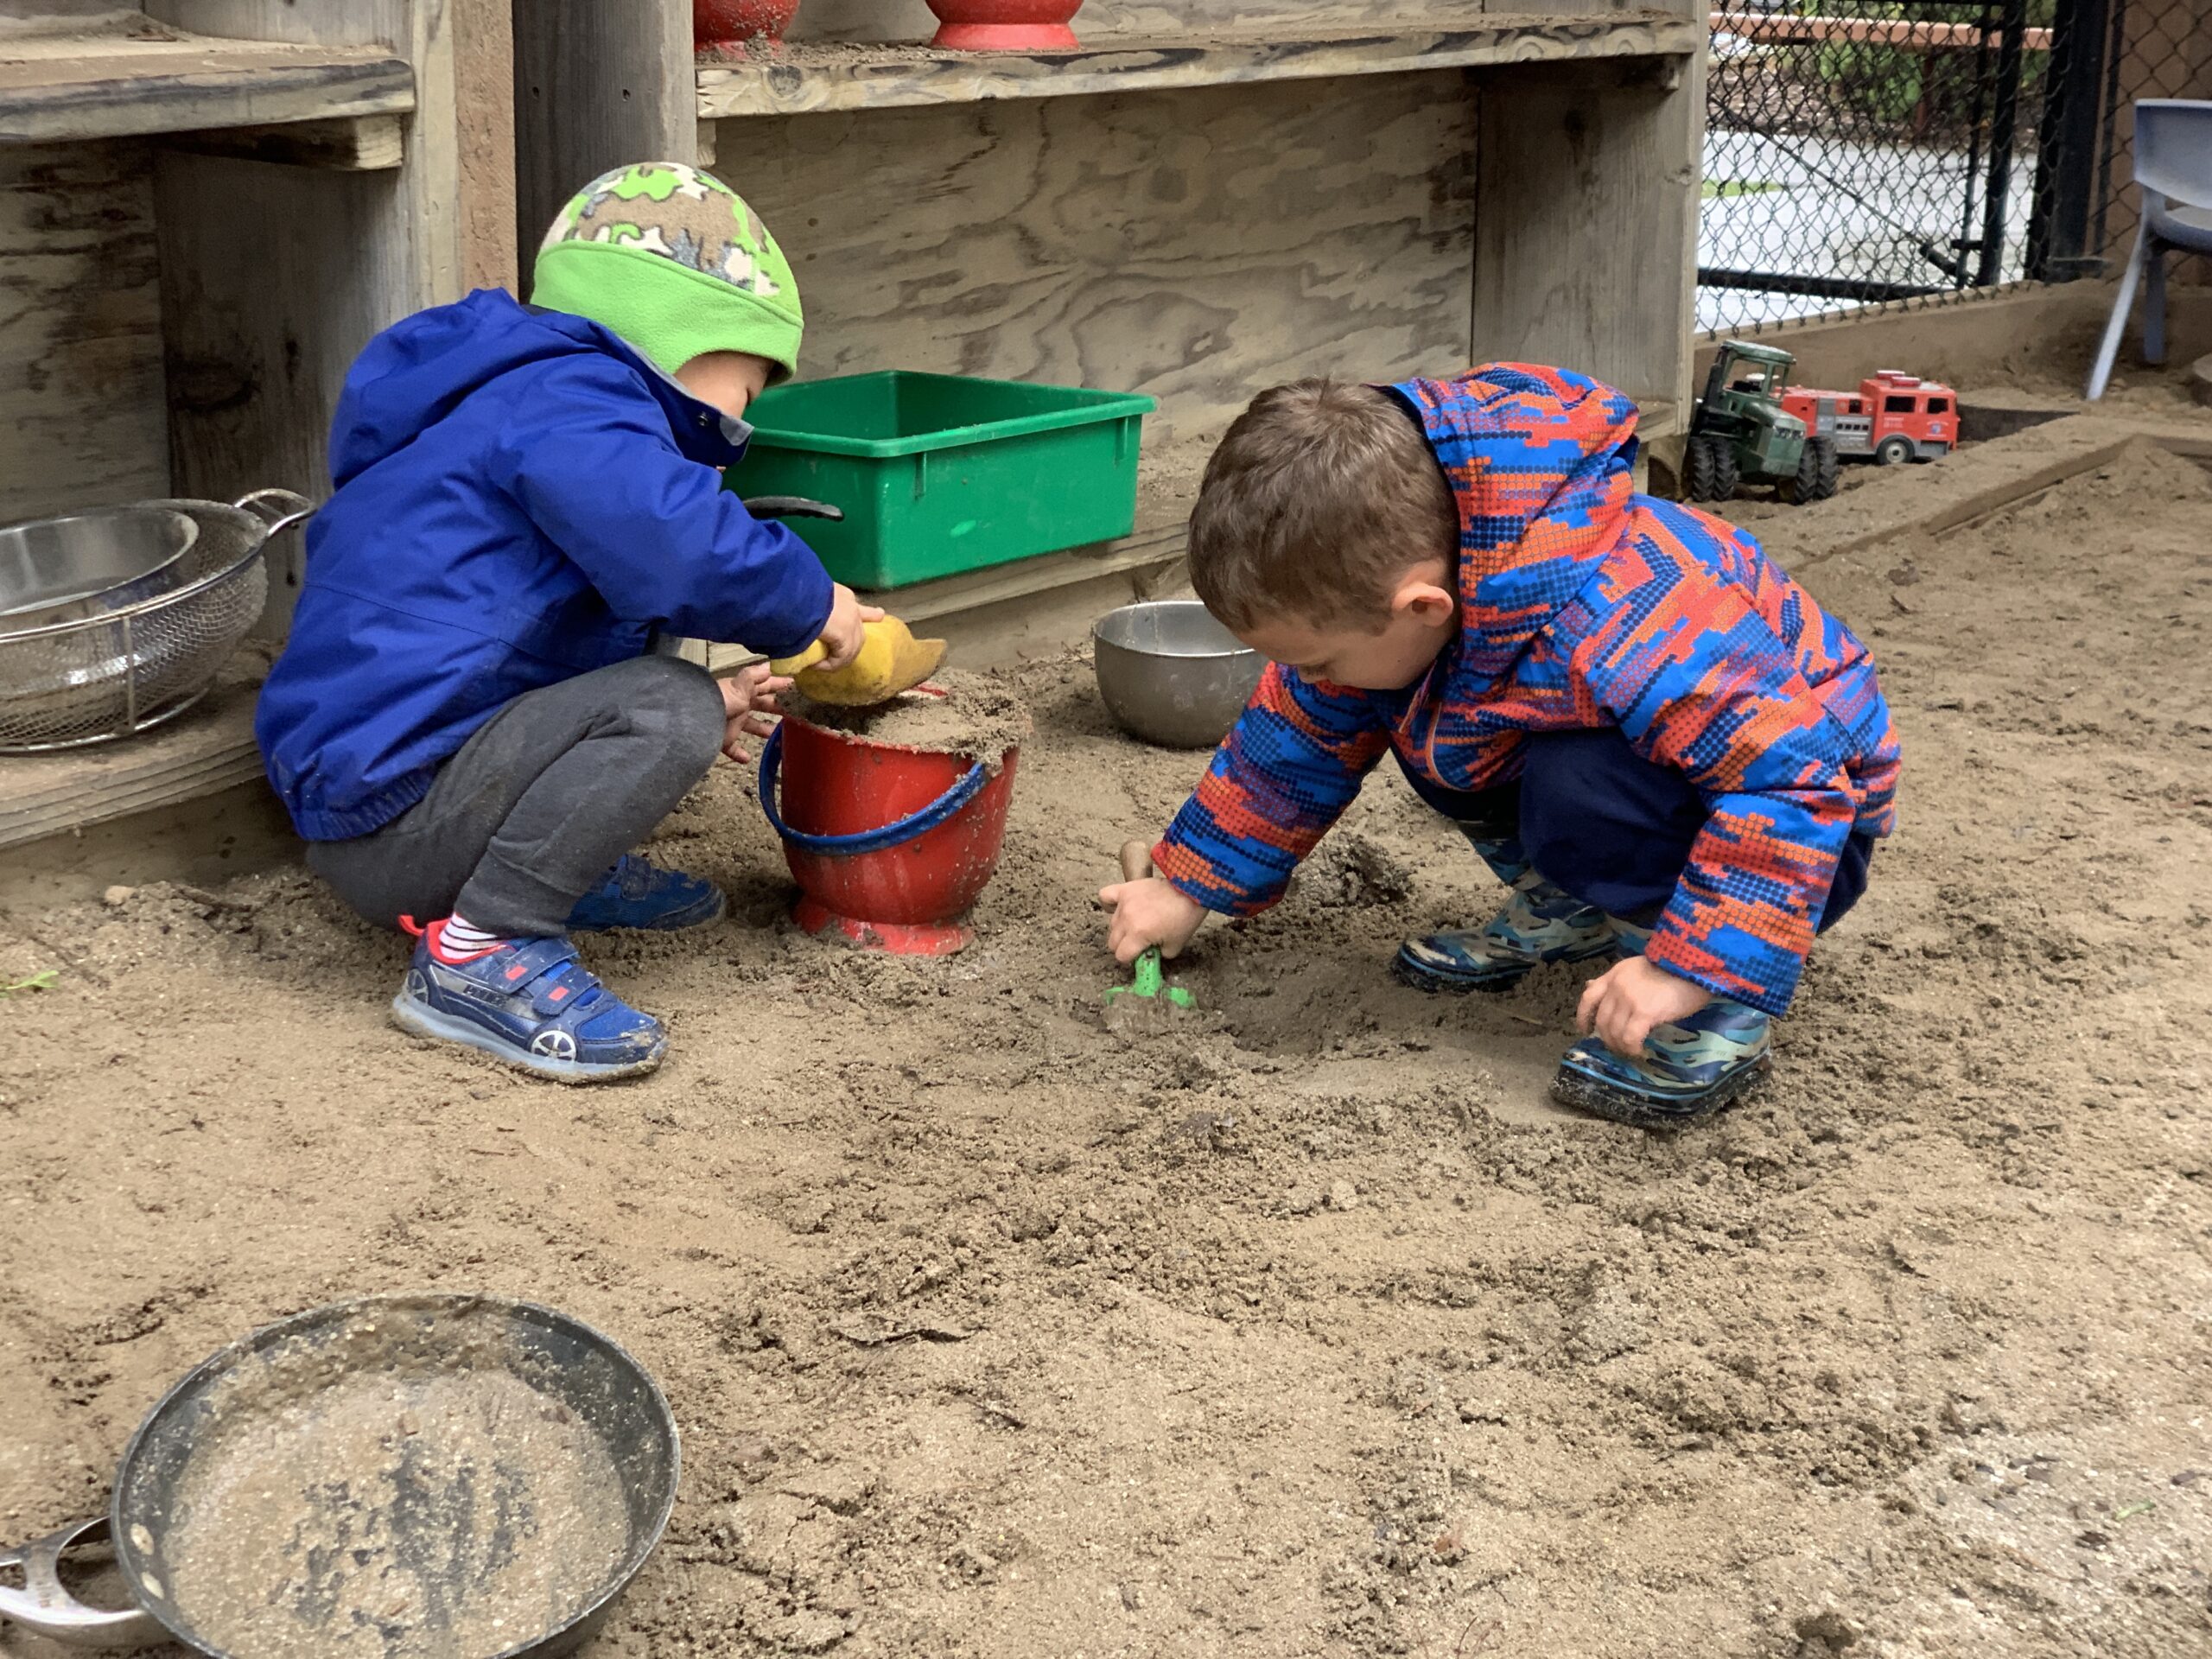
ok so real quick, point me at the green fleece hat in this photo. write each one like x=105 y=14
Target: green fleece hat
x=670 y=258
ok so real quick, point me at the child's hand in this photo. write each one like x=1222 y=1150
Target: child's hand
x=1625 y=1002
x=841 y=632
x=1146 y=913
x=748 y=700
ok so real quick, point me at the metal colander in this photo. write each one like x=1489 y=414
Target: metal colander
x=139 y=664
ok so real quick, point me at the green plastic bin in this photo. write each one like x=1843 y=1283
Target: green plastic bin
x=938 y=473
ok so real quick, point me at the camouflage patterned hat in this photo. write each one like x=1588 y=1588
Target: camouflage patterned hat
x=670 y=258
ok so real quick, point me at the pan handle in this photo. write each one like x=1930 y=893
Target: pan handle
x=282 y=508
x=792 y=506
x=45 y=1605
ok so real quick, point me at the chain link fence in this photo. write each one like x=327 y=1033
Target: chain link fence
x=1882 y=152
x=2152 y=48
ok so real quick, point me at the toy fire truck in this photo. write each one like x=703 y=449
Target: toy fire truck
x=1893 y=418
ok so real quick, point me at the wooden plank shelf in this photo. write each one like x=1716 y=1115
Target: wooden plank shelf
x=802 y=79
x=59 y=87
x=205 y=750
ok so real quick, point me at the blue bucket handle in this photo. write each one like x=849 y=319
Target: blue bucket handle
x=866 y=841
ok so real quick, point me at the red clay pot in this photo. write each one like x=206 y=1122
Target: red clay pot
x=724 y=26
x=1004 y=25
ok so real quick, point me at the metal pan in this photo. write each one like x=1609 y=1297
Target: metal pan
x=59 y=570
x=238 y=1451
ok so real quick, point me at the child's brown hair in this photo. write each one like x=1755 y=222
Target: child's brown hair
x=1321 y=495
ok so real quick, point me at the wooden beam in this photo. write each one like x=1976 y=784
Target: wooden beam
x=364 y=143
x=806 y=77
x=188 y=87
x=1974 y=483
x=1765 y=29
x=595 y=85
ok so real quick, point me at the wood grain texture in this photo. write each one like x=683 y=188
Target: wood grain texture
x=108 y=94
x=833 y=77
x=911 y=20
x=367 y=143
x=1195 y=245
x=80 y=331
x=1585 y=229
x=597 y=85
x=274 y=278
x=484 y=125
x=204 y=751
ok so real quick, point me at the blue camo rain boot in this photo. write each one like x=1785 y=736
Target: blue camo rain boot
x=637 y=892
x=529 y=1002
x=1687 y=1073
x=1539 y=923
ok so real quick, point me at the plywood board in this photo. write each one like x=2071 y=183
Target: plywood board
x=1196 y=245
x=911 y=20
x=82 y=419
x=128 y=75
x=804 y=79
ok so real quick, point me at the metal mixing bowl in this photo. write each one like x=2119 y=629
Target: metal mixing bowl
x=59 y=570
x=1170 y=674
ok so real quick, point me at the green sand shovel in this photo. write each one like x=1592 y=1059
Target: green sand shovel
x=1148 y=998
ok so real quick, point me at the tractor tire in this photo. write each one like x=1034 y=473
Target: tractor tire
x=1831 y=468
x=1726 y=477
x=1893 y=451
x=1816 y=475
x=1697 y=469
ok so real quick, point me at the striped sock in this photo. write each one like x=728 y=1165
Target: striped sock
x=458 y=939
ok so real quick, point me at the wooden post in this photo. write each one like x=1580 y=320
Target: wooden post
x=1585 y=225
x=273 y=279
x=596 y=85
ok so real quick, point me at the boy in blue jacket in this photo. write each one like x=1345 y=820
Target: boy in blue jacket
x=471 y=723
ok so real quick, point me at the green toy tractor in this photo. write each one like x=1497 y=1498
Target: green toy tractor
x=1740 y=433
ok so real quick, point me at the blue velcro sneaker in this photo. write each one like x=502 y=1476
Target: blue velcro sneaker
x=637 y=892
x=530 y=1003
x=1539 y=923
x=1687 y=1073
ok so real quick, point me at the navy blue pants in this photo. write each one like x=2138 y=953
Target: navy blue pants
x=1603 y=823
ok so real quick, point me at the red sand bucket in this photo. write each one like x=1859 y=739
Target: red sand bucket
x=889 y=845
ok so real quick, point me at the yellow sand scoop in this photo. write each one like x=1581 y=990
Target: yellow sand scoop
x=891 y=661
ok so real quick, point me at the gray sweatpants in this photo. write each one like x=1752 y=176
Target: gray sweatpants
x=527 y=816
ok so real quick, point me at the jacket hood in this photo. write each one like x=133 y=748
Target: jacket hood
x=419 y=370
x=1540 y=462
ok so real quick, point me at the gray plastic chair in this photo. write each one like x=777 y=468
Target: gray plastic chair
x=2173 y=174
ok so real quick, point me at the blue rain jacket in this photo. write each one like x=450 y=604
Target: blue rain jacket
x=519 y=498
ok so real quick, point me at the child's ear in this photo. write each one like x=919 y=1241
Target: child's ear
x=1424 y=599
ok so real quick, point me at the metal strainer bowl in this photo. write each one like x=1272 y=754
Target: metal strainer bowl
x=134 y=665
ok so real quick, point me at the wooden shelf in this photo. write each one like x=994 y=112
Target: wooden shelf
x=140 y=78
x=1657 y=417
x=205 y=750
x=802 y=79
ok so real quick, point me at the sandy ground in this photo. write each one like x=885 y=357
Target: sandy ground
x=1313 y=1330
